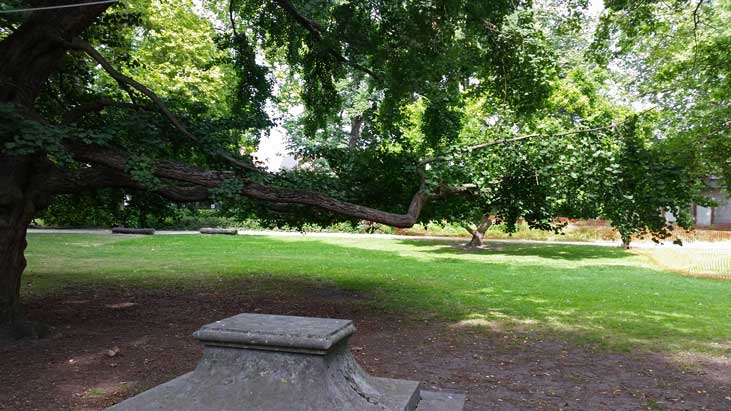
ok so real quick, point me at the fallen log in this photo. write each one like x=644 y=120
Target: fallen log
x=125 y=230
x=224 y=231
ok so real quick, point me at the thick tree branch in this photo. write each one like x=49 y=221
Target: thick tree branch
x=206 y=180
x=78 y=43
x=30 y=54
x=89 y=178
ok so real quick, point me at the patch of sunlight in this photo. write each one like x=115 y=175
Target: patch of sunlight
x=560 y=325
x=638 y=341
x=627 y=313
x=671 y=315
x=533 y=300
x=692 y=261
x=494 y=320
x=526 y=321
x=599 y=316
x=714 y=350
x=478 y=322
x=498 y=314
x=681 y=330
x=566 y=312
x=725 y=345
x=86 y=245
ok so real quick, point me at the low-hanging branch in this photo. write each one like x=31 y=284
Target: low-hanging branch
x=203 y=181
x=200 y=183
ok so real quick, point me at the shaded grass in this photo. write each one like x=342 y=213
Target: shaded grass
x=592 y=294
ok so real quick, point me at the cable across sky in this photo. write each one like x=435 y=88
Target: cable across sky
x=61 y=6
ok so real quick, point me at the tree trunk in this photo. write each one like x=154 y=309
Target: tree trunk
x=478 y=234
x=355 y=125
x=12 y=247
x=19 y=200
x=29 y=55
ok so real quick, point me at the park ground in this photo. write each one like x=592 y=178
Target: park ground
x=514 y=326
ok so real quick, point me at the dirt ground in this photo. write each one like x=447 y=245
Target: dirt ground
x=78 y=366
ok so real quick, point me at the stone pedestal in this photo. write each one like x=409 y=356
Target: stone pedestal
x=270 y=362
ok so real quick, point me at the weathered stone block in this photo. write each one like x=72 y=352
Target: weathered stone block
x=269 y=362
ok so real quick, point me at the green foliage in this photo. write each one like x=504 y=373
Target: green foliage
x=648 y=182
x=98 y=209
x=678 y=55
x=442 y=121
x=387 y=84
x=21 y=136
x=109 y=208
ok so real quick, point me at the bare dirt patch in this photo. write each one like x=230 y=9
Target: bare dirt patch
x=148 y=332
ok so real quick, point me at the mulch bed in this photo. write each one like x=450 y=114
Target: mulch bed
x=108 y=344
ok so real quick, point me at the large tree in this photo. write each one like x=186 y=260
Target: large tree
x=97 y=95
x=169 y=98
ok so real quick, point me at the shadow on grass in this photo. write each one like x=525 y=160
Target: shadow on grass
x=552 y=251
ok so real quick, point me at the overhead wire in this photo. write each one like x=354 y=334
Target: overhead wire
x=60 y=6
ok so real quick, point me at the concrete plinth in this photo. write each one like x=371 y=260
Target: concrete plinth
x=268 y=362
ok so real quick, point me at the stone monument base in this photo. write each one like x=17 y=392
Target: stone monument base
x=268 y=362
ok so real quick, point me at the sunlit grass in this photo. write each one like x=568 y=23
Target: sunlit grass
x=592 y=294
x=710 y=262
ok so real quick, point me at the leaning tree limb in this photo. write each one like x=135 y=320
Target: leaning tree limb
x=88 y=178
x=205 y=181
x=182 y=173
x=30 y=54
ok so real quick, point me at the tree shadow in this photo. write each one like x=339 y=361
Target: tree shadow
x=548 y=250
x=467 y=356
x=485 y=305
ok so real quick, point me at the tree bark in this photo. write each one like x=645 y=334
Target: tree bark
x=32 y=53
x=29 y=56
x=19 y=201
x=355 y=125
x=478 y=234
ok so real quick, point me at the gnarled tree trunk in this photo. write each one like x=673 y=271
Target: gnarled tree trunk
x=478 y=234
x=19 y=200
x=29 y=56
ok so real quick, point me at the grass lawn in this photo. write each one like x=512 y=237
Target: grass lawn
x=599 y=295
